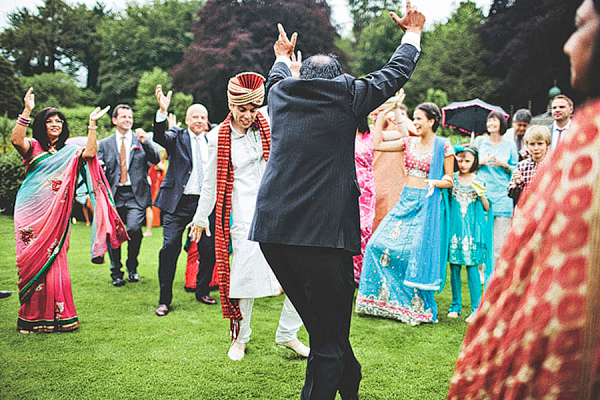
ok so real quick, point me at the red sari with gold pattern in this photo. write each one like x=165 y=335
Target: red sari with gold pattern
x=536 y=334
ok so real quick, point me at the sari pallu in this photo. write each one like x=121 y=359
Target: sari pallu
x=42 y=219
x=405 y=260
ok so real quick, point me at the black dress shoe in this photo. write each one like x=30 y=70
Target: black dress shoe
x=4 y=293
x=189 y=289
x=162 y=310
x=118 y=282
x=133 y=277
x=206 y=299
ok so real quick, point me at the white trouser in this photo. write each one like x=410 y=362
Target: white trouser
x=501 y=228
x=289 y=322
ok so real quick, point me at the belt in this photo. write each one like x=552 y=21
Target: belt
x=191 y=197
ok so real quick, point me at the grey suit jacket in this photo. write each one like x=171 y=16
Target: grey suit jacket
x=309 y=192
x=140 y=156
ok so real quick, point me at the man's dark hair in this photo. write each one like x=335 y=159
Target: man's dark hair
x=522 y=115
x=325 y=66
x=40 y=131
x=115 y=112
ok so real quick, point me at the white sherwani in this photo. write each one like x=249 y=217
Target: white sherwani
x=251 y=276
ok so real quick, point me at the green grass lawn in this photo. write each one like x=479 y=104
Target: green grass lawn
x=123 y=350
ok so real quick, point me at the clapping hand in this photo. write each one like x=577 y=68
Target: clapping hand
x=163 y=101
x=413 y=20
x=141 y=135
x=284 y=46
x=296 y=64
x=29 y=100
x=172 y=121
x=98 y=113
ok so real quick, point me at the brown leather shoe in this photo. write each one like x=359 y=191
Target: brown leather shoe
x=162 y=310
x=206 y=299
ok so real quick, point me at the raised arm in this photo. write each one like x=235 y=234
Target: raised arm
x=91 y=146
x=160 y=125
x=18 y=134
x=369 y=92
x=378 y=143
x=284 y=49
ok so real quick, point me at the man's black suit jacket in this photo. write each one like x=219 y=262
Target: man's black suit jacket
x=179 y=148
x=309 y=192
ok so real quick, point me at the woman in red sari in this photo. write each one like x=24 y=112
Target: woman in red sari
x=537 y=332
x=42 y=216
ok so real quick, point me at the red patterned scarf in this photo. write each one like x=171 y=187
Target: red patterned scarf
x=230 y=306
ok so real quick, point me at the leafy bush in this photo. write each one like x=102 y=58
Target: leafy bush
x=12 y=172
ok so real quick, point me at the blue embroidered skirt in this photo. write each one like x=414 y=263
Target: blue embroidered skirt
x=389 y=257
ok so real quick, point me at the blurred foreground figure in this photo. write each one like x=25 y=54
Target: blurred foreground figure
x=537 y=332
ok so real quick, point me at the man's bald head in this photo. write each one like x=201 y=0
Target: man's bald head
x=196 y=119
x=324 y=66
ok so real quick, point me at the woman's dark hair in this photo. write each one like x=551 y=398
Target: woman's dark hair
x=39 y=128
x=500 y=117
x=467 y=149
x=432 y=112
x=320 y=66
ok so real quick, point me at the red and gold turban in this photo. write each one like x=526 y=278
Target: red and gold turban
x=246 y=88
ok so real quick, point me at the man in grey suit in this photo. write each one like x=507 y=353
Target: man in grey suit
x=126 y=157
x=307 y=215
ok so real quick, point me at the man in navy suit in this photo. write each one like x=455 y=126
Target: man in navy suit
x=307 y=215
x=126 y=157
x=178 y=197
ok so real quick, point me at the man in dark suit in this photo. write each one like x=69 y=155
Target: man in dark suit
x=178 y=197
x=307 y=215
x=126 y=157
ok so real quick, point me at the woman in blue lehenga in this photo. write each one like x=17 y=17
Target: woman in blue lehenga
x=405 y=259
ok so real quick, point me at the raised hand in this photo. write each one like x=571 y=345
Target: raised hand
x=29 y=100
x=172 y=121
x=163 y=101
x=284 y=46
x=413 y=20
x=98 y=113
x=296 y=64
x=141 y=135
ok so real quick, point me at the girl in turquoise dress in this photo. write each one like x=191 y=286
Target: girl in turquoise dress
x=470 y=229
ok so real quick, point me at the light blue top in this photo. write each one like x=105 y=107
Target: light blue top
x=497 y=178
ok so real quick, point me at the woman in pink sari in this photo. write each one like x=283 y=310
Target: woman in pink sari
x=42 y=216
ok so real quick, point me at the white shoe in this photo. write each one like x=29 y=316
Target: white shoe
x=237 y=351
x=452 y=314
x=297 y=347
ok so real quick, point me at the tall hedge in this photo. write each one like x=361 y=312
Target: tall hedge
x=12 y=172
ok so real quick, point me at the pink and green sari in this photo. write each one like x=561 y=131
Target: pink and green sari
x=42 y=221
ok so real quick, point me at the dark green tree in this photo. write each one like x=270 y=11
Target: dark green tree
x=234 y=36
x=524 y=41
x=33 y=41
x=452 y=60
x=11 y=91
x=82 y=43
x=365 y=11
x=143 y=37
x=56 y=89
